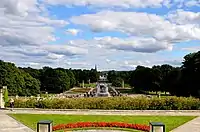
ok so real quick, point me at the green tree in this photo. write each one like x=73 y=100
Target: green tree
x=173 y=82
x=141 y=79
x=32 y=85
x=93 y=75
x=11 y=77
x=117 y=82
x=190 y=81
x=35 y=73
x=156 y=79
x=71 y=77
x=112 y=75
x=165 y=69
x=55 y=80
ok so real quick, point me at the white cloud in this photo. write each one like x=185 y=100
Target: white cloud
x=133 y=64
x=184 y=17
x=129 y=44
x=22 y=23
x=126 y=62
x=19 y=7
x=65 y=50
x=126 y=3
x=54 y=56
x=27 y=30
x=78 y=64
x=191 y=3
x=52 y=51
x=109 y=3
x=33 y=64
x=145 y=45
x=191 y=49
x=108 y=61
x=146 y=25
x=73 y=31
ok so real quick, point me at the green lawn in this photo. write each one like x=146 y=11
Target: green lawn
x=171 y=122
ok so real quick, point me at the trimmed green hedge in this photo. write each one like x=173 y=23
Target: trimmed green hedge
x=119 y=103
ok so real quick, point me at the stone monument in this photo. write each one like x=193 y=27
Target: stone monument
x=2 y=103
x=102 y=86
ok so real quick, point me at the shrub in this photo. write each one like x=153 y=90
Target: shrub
x=119 y=103
x=5 y=96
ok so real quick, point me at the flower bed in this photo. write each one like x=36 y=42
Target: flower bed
x=102 y=124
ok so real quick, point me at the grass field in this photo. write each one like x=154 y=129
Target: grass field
x=171 y=122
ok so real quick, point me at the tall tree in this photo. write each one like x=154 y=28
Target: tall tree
x=71 y=77
x=191 y=74
x=173 y=82
x=55 y=80
x=141 y=79
x=93 y=75
x=165 y=69
x=32 y=85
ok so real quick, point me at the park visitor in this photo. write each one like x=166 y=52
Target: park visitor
x=11 y=104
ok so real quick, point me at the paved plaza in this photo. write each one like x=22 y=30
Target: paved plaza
x=8 y=124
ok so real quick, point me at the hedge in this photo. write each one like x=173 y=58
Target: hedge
x=108 y=103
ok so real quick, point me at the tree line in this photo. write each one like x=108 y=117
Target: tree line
x=179 y=81
x=28 y=81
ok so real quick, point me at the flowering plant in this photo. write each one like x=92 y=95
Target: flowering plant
x=102 y=124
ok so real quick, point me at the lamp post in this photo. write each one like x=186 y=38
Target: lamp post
x=44 y=126
x=157 y=127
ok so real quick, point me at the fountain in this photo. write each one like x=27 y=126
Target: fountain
x=102 y=86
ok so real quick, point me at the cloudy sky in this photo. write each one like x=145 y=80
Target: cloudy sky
x=113 y=34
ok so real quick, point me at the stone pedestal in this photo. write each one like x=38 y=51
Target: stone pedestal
x=1 y=99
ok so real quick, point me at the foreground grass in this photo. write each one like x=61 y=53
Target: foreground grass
x=171 y=122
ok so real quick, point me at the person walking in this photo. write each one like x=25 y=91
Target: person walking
x=11 y=104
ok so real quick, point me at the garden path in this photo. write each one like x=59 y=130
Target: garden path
x=191 y=126
x=106 y=112
x=8 y=124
